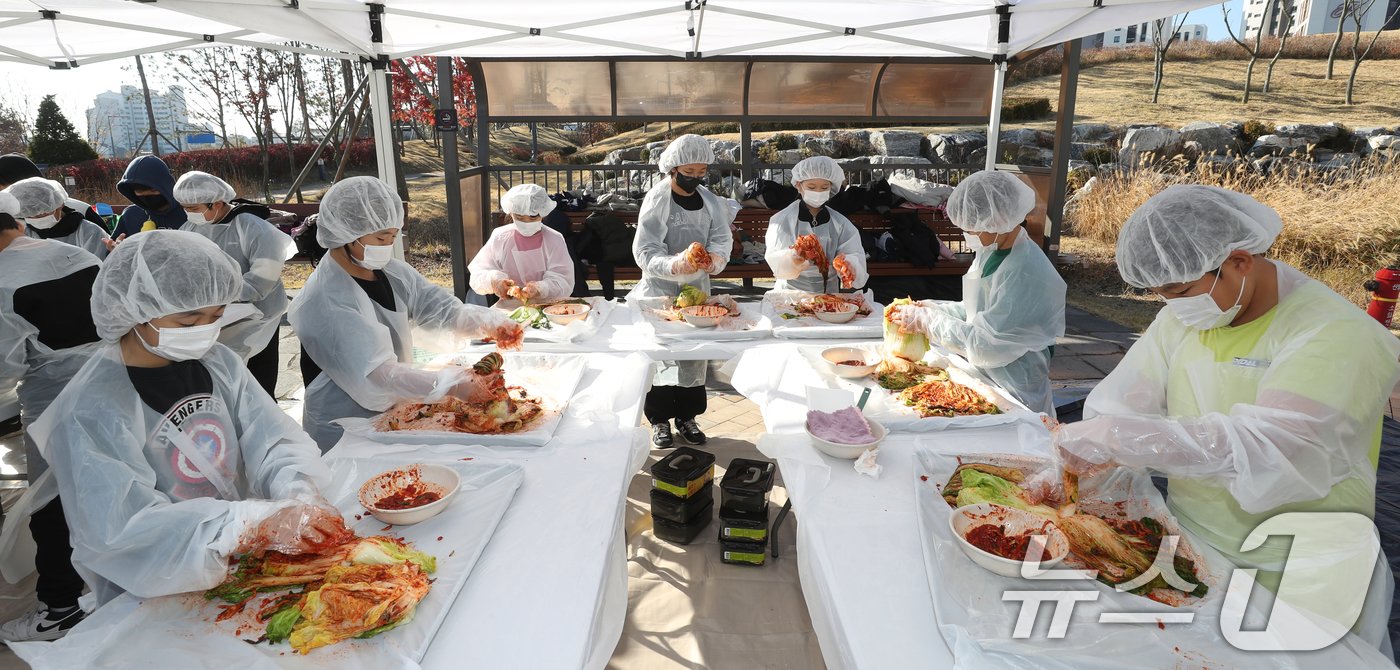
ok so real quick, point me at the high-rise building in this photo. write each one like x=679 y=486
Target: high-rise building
x=1141 y=33
x=118 y=126
x=1313 y=17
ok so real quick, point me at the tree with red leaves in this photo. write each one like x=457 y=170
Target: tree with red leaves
x=415 y=90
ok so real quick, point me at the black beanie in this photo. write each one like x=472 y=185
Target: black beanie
x=17 y=167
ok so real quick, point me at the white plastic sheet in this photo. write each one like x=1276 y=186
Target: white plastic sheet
x=180 y=631
x=550 y=590
x=550 y=377
x=776 y=303
x=884 y=406
x=575 y=331
x=977 y=624
x=751 y=324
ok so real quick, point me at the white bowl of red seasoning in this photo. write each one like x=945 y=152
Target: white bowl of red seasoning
x=410 y=494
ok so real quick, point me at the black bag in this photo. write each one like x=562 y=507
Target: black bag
x=917 y=240
x=770 y=194
x=606 y=240
x=305 y=239
x=875 y=196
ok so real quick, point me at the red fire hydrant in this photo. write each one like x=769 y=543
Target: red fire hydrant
x=1385 y=292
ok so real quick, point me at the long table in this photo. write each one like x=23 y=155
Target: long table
x=550 y=591
x=859 y=549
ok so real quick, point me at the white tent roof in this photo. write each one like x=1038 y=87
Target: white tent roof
x=85 y=31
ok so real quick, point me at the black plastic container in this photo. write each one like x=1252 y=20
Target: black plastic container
x=683 y=533
x=684 y=473
x=680 y=510
x=746 y=485
x=743 y=553
x=739 y=526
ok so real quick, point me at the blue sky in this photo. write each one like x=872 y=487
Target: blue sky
x=1210 y=16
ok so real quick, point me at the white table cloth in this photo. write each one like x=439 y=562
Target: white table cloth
x=859 y=551
x=550 y=589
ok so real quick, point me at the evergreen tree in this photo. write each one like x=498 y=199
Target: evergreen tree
x=55 y=141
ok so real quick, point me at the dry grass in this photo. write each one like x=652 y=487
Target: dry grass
x=1336 y=231
x=1121 y=93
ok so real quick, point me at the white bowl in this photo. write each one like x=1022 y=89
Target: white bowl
x=835 y=355
x=964 y=519
x=688 y=313
x=848 y=452
x=438 y=478
x=838 y=317
x=565 y=314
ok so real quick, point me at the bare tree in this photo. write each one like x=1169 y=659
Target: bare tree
x=1343 y=11
x=249 y=89
x=1165 y=33
x=1357 y=53
x=208 y=74
x=1285 y=25
x=1253 y=51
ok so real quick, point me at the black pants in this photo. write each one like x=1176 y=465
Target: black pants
x=674 y=402
x=264 y=365
x=59 y=584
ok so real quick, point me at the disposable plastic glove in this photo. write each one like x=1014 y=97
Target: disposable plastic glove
x=530 y=292
x=917 y=318
x=680 y=266
x=479 y=388
x=297 y=529
x=501 y=285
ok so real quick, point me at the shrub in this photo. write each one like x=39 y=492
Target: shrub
x=568 y=150
x=1255 y=129
x=519 y=153
x=783 y=141
x=1024 y=109
x=768 y=153
x=1100 y=155
x=551 y=158
x=236 y=165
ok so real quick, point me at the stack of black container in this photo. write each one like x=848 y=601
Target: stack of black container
x=682 y=495
x=743 y=511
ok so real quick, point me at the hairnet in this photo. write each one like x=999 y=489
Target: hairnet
x=37 y=195
x=1184 y=232
x=527 y=200
x=8 y=204
x=819 y=167
x=685 y=150
x=356 y=207
x=159 y=273
x=200 y=188
x=990 y=202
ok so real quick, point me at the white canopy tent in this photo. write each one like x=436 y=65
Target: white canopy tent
x=72 y=33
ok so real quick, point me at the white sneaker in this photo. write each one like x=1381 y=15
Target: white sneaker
x=40 y=624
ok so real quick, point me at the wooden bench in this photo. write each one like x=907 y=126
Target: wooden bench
x=753 y=224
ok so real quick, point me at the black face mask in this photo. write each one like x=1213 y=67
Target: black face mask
x=688 y=183
x=155 y=203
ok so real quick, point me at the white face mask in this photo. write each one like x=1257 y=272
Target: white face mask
x=528 y=228
x=183 y=344
x=974 y=243
x=42 y=222
x=1201 y=312
x=195 y=217
x=376 y=256
x=816 y=198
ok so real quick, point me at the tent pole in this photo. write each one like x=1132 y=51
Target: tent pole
x=321 y=146
x=994 y=121
x=1064 y=133
x=380 y=109
x=452 y=183
x=379 y=119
